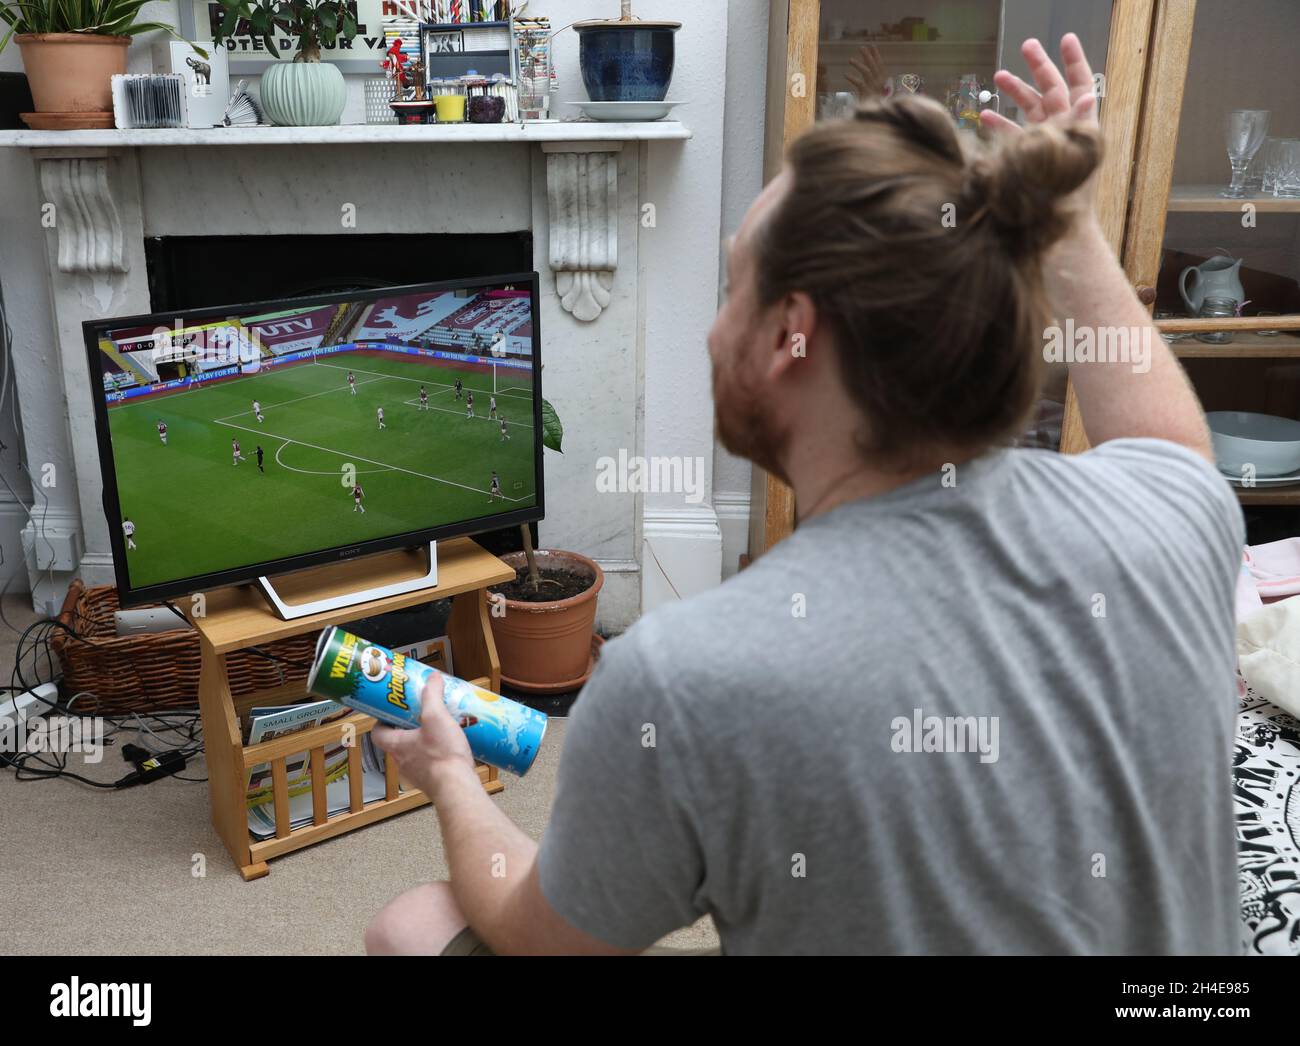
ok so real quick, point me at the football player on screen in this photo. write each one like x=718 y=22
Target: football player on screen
x=352 y=383
x=162 y=431
x=505 y=431
x=424 y=398
x=259 y=461
x=357 y=495
x=460 y=387
x=257 y=411
x=234 y=450
x=469 y=405
x=380 y=414
x=128 y=531
x=492 y=406
x=494 y=491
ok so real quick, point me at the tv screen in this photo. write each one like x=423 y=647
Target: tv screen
x=257 y=439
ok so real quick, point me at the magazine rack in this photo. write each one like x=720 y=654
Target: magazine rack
x=240 y=619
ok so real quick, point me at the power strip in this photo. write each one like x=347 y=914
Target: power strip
x=30 y=704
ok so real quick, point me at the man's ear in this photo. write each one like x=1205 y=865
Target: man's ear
x=794 y=328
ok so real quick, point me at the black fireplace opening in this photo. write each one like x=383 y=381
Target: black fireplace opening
x=196 y=272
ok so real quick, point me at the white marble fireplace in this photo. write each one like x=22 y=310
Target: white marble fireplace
x=626 y=222
x=579 y=191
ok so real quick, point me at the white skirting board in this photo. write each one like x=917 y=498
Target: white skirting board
x=733 y=520
x=681 y=554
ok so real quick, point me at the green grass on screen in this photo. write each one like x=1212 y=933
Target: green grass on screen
x=196 y=512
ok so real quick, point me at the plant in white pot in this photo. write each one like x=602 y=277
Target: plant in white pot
x=71 y=49
x=545 y=638
x=305 y=92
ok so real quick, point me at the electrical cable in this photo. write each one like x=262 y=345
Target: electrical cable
x=179 y=732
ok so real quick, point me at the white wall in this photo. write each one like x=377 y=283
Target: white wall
x=742 y=181
x=39 y=387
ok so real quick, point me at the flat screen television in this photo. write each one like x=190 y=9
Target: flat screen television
x=252 y=440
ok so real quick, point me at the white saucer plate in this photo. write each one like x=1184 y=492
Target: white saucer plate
x=627 y=112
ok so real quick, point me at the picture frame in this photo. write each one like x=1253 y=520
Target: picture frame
x=444 y=41
x=201 y=20
x=451 y=50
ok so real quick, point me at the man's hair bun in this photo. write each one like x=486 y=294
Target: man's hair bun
x=1021 y=180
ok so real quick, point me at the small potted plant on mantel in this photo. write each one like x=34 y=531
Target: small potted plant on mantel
x=545 y=639
x=71 y=49
x=305 y=92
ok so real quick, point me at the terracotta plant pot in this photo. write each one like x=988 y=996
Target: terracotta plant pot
x=70 y=72
x=548 y=646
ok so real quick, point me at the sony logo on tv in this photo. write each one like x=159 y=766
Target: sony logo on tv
x=102 y=1000
x=349 y=552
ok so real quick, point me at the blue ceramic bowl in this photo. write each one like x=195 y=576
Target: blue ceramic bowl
x=626 y=64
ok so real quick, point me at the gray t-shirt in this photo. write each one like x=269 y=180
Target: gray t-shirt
x=766 y=752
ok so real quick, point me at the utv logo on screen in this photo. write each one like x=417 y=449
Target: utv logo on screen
x=1071 y=344
x=226 y=343
x=946 y=734
x=102 y=1000
x=629 y=474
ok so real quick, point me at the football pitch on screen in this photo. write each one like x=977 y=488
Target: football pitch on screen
x=196 y=511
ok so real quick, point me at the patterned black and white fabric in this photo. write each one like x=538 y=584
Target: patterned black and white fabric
x=1266 y=790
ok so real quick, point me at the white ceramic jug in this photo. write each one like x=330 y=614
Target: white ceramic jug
x=1218 y=277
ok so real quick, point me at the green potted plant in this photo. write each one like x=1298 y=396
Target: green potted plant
x=305 y=92
x=546 y=639
x=71 y=49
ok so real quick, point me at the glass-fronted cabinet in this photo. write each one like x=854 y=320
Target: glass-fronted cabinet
x=827 y=55
x=1220 y=241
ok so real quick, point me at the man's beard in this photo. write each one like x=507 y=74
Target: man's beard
x=743 y=428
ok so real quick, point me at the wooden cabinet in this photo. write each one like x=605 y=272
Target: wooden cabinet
x=1207 y=61
x=1171 y=72
x=942 y=48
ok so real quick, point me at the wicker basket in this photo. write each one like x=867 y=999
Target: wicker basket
x=157 y=671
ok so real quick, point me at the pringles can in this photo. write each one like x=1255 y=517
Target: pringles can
x=371 y=678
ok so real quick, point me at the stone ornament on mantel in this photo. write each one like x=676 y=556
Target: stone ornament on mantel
x=86 y=221
x=582 y=188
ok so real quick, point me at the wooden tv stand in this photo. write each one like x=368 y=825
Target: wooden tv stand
x=239 y=618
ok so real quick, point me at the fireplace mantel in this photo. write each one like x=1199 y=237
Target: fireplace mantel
x=581 y=177
x=352 y=134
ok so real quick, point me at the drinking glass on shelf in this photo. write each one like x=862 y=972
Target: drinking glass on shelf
x=1217 y=308
x=1254 y=180
x=1267 y=160
x=1245 y=130
x=1286 y=184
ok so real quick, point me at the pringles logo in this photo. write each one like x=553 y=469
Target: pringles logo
x=397 y=683
x=374 y=664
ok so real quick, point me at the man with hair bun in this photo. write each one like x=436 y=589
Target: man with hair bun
x=982 y=700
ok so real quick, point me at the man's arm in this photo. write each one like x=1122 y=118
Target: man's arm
x=494 y=873
x=621 y=860
x=1086 y=283
x=493 y=863
x=1117 y=400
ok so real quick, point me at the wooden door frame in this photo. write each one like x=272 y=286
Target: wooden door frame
x=1134 y=218
x=791 y=109
x=793 y=29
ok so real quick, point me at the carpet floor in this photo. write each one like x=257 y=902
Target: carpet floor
x=92 y=872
